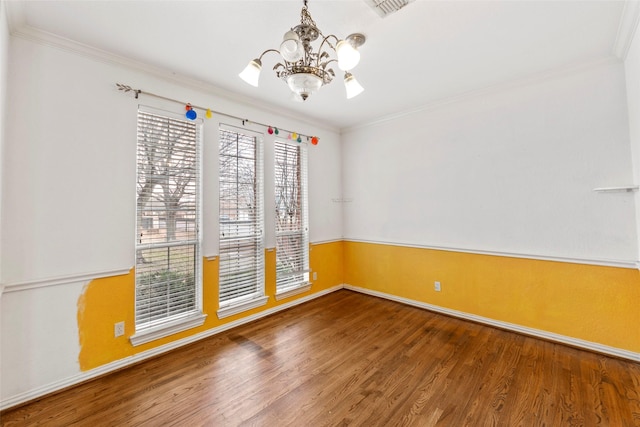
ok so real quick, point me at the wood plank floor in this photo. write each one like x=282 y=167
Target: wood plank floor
x=351 y=359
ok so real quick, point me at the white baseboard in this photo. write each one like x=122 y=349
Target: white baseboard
x=128 y=361
x=550 y=336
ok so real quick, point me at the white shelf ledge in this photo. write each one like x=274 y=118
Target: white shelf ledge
x=626 y=189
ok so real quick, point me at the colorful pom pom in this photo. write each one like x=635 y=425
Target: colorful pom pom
x=208 y=114
x=270 y=130
x=314 y=140
x=191 y=114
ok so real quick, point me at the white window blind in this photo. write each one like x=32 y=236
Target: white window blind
x=168 y=216
x=292 y=230
x=241 y=217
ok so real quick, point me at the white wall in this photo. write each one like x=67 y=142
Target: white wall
x=510 y=170
x=39 y=340
x=632 y=73
x=71 y=202
x=4 y=60
x=70 y=205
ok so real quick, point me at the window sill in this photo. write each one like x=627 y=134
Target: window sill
x=243 y=306
x=295 y=290
x=162 y=330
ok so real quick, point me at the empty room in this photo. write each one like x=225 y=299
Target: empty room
x=320 y=213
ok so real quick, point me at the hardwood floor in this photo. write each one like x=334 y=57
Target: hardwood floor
x=351 y=359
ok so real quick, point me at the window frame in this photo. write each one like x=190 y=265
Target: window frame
x=285 y=288
x=178 y=320
x=257 y=298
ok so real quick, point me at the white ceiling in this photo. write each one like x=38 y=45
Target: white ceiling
x=427 y=52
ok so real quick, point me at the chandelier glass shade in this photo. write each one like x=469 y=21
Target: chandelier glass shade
x=306 y=70
x=351 y=84
x=251 y=73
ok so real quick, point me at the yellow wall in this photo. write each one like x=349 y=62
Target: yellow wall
x=109 y=300
x=588 y=302
x=592 y=303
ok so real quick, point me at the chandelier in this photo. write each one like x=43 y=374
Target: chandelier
x=305 y=70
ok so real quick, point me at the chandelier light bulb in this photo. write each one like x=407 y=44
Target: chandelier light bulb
x=289 y=40
x=291 y=48
x=348 y=56
x=251 y=74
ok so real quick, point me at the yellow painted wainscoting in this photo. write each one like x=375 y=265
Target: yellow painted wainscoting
x=109 y=300
x=593 y=303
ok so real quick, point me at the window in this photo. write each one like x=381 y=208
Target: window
x=168 y=224
x=241 y=221
x=292 y=230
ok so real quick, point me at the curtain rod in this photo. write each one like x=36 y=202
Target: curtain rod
x=138 y=92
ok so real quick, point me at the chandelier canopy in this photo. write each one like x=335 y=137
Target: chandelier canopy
x=304 y=70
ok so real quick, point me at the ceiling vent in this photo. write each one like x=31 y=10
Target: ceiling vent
x=386 y=7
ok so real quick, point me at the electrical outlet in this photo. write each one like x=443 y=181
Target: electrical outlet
x=315 y=275
x=437 y=287
x=118 y=329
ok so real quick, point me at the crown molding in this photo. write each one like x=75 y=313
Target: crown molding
x=627 y=28
x=529 y=80
x=45 y=38
x=15 y=15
